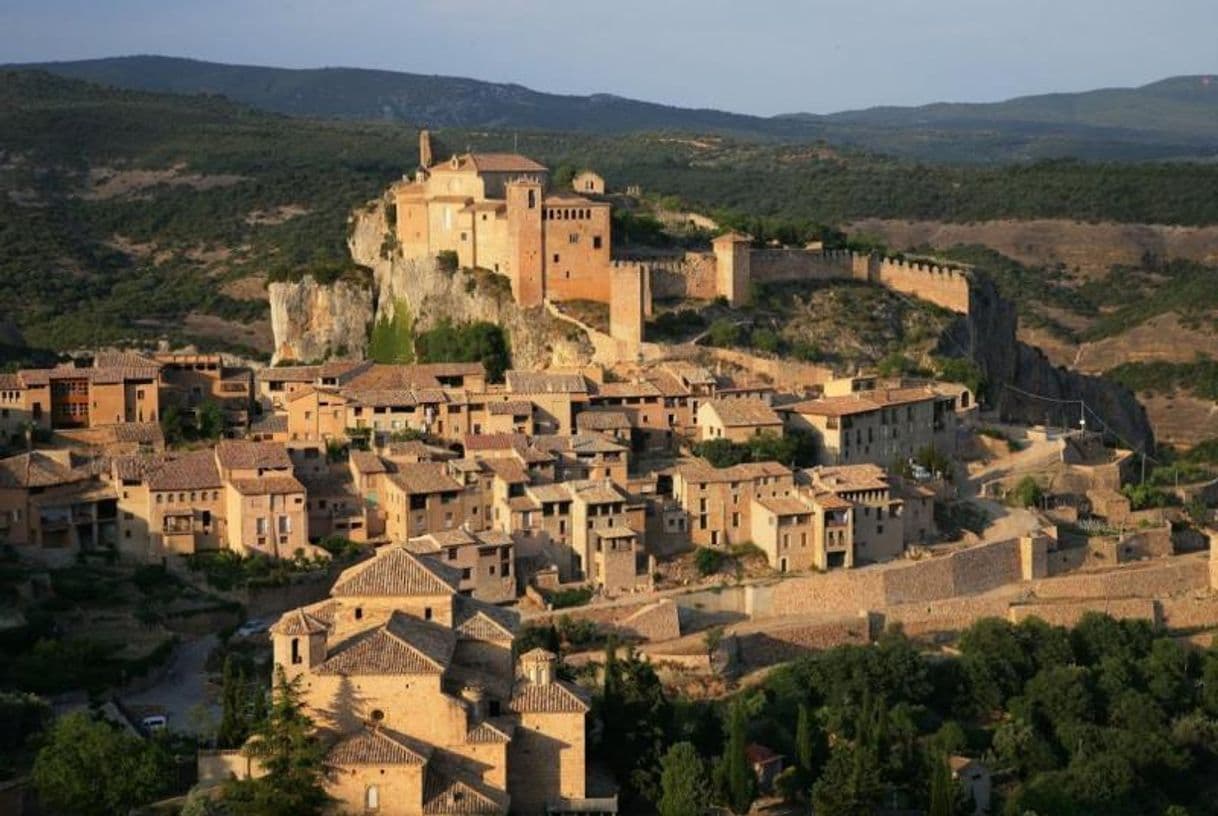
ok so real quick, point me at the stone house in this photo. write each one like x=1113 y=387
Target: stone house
x=737 y=420
x=51 y=508
x=485 y=559
x=718 y=502
x=419 y=703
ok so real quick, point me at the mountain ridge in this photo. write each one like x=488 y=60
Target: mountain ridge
x=1176 y=117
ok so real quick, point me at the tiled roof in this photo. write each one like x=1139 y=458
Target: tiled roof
x=595 y=492
x=743 y=412
x=270 y=424
x=862 y=402
x=544 y=382
x=627 y=389
x=492 y=163
x=367 y=462
x=510 y=408
x=477 y=620
x=447 y=796
x=243 y=454
x=747 y=471
x=784 y=505
x=298 y=622
x=268 y=486
x=850 y=477
x=123 y=359
x=139 y=432
x=287 y=374
x=10 y=381
x=491 y=731
x=498 y=441
x=829 y=501
x=577 y=443
x=424 y=477
x=602 y=420
x=509 y=470
x=395 y=572
x=558 y=697
x=35 y=469
x=550 y=492
x=187 y=472
x=383 y=398
x=404 y=645
x=615 y=531
x=378 y=746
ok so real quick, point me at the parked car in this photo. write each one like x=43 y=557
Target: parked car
x=154 y=723
x=252 y=627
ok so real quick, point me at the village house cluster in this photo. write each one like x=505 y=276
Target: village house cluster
x=469 y=492
x=546 y=479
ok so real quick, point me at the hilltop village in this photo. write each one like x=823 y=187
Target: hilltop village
x=723 y=513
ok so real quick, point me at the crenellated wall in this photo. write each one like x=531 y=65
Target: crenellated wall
x=693 y=276
x=940 y=285
x=773 y=265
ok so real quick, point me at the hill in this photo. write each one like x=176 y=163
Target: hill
x=128 y=215
x=1175 y=118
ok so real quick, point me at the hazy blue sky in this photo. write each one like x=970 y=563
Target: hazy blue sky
x=754 y=56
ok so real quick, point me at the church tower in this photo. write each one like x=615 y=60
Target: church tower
x=525 y=241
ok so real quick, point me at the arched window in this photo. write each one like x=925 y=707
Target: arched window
x=295 y=651
x=359 y=613
x=372 y=798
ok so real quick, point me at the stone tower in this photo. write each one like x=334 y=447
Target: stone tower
x=298 y=642
x=525 y=240
x=626 y=305
x=424 y=148
x=733 y=277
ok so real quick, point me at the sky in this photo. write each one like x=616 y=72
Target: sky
x=750 y=56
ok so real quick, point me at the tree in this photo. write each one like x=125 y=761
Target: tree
x=1027 y=493
x=636 y=718
x=90 y=768
x=211 y=420
x=234 y=724
x=741 y=785
x=942 y=789
x=286 y=747
x=682 y=782
x=850 y=784
x=809 y=745
x=724 y=334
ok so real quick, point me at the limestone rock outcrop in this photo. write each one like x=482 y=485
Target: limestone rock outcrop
x=537 y=338
x=312 y=321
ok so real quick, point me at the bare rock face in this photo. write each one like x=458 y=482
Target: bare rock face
x=430 y=294
x=312 y=321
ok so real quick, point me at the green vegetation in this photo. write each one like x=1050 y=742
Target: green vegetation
x=709 y=560
x=794 y=447
x=392 y=340
x=286 y=745
x=226 y=569
x=683 y=782
x=1027 y=493
x=566 y=598
x=675 y=327
x=1199 y=377
x=477 y=342
x=88 y=767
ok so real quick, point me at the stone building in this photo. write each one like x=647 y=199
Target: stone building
x=881 y=426
x=52 y=508
x=494 y=211
x=423 y=712
x=737 y=420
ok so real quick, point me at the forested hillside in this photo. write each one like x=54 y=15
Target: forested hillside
x=129 y=215
x=1174 y=118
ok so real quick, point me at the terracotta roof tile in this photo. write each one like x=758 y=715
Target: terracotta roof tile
x=743 y=412
x=378 y=746
x=242 y=454
x=268 y=486
x=395 y=572
x=558 y=697
x=190 y=471
x=416 y=478
x=404 y=645
x=298 y=622
x=447 y=796
x=545 y=382
x=35 y=469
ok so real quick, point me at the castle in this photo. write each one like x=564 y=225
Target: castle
x=496 y=211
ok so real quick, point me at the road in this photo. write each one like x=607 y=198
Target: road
x=183 y=687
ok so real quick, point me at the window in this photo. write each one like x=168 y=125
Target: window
x=296 y=659
x=359 y=613
x=372 y=798
x=573 y=238
x=596 y=242
x=555 y=257
x=427 y=613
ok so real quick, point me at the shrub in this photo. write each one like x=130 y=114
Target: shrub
x=1026 y=494
x=566 y=598
x=446 y=260
x=708 y=561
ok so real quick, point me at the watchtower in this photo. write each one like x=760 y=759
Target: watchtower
x=298 y=642
x=525 y=240
x=733 y=275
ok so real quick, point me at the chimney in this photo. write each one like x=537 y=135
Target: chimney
x=424 y=148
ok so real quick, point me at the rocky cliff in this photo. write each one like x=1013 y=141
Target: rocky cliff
x=430 y=294
x=1025 y=386
x=311 y=321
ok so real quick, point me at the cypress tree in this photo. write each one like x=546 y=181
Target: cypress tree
x=942 y=789
x=740 y=781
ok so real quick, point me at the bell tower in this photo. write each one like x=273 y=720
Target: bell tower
x=526 y=240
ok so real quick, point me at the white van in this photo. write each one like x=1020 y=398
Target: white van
x=154 y=723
